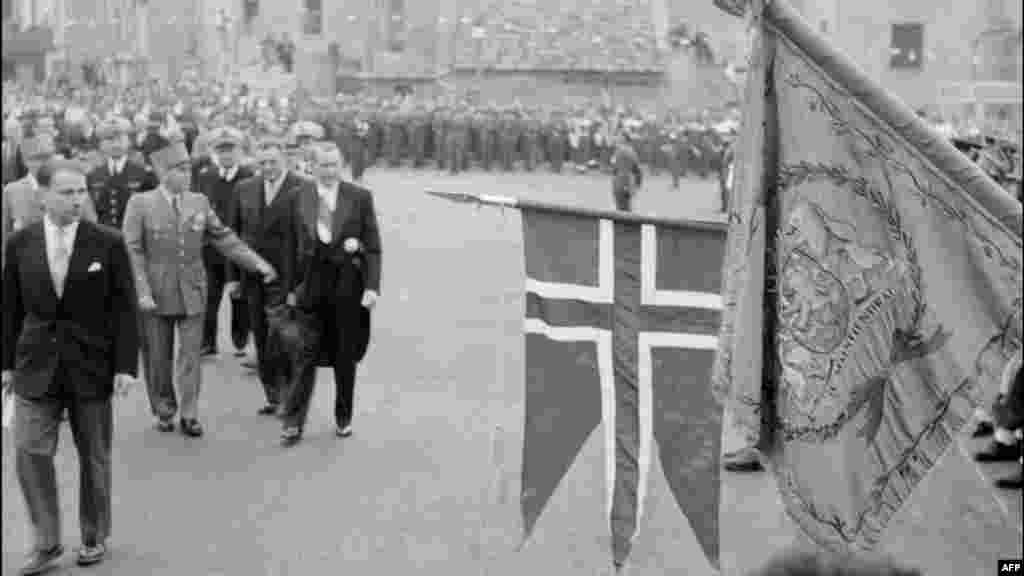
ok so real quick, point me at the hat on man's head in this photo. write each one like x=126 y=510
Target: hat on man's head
x=225 y=138
x=112 y=128
x=36 y=146
x=172 y=155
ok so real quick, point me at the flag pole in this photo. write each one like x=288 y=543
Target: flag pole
x=712 y=222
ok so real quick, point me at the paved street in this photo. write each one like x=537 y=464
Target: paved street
x=430 y=479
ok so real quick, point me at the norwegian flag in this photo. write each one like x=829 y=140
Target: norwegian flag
x=621 y=330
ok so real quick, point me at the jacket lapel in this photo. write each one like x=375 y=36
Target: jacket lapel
x=80 y=254
x=37 y=250
x=342 y=208
x=272 y=212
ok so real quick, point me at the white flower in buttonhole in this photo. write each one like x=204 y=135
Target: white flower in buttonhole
x=351 y=245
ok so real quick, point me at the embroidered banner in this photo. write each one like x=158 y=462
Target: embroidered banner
x=872 y=286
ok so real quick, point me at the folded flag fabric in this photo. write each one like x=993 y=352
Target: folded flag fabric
x=872 y=286
x=621 y=329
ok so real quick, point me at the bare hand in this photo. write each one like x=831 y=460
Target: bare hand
x=8 y=379
x=123 y=383
x=369 y=299
x=233 y=289
x=269 y=275
x=147 y=304
x=291 y=299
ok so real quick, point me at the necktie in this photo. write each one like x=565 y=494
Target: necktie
x=176 y=206
x=60 y=262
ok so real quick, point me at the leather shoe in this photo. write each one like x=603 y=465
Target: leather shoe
x=268 y=410
x=291 y=436
x=42 y=561
x=191 y=427
x=207 y=351
x=165 y=425
x=1013 y=482
x=343 y=431
x=998 y=452
x=743 y=460
x=983 y=429
x=91 y=554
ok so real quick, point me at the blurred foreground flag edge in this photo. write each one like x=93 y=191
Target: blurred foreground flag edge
x=872 y=285
x=621 y=326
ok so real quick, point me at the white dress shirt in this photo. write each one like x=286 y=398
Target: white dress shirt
x=116 y=166
x=57 y=238
x=329 y=200
x=228 y=174
x=270 y=189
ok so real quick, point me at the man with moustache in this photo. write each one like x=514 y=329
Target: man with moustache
x=118 y=178
x=165 y=230
x=23 y=199
x=261 y=216
x=333 y=284
x=218 y=181
x=70 y=340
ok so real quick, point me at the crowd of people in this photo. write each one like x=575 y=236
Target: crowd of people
x=450 y=134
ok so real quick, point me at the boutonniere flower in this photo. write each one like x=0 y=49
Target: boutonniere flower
x=351 y=245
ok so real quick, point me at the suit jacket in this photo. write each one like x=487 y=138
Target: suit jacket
x=318 y=268
x=90 y=332
x=110 y=193
x=267 y=229
x=166 y=251
x=23 y=206
x=221 y=193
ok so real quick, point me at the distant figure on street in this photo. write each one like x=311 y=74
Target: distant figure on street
x=70 y=339
x=626 y=174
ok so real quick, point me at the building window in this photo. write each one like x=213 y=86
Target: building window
x=906 y=51
x=396 y=25
x=313 y=24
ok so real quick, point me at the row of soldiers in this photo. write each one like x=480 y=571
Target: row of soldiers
x=455 y=138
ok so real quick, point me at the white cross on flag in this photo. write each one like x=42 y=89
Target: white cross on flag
x=621 y=330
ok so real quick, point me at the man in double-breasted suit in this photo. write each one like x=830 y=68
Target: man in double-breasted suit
x=69 y=340
x=218 y=181
x=165 y=230
x=23 y=199
x=333 y=284
x=261 y=216
x=114 y=181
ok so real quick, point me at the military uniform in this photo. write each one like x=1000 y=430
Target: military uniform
x=165 y=233
x=112 y=183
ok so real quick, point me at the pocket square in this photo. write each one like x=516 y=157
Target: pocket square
x=95 y=267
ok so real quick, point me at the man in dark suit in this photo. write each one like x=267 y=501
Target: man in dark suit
x=153 y=140
x=118 y=178
x=334 y=282
x=69 y=340
x=261 y=217
x=218 y=182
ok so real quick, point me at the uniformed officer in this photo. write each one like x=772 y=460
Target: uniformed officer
x=218 y=181
x=117 y=178
x=165 y=230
